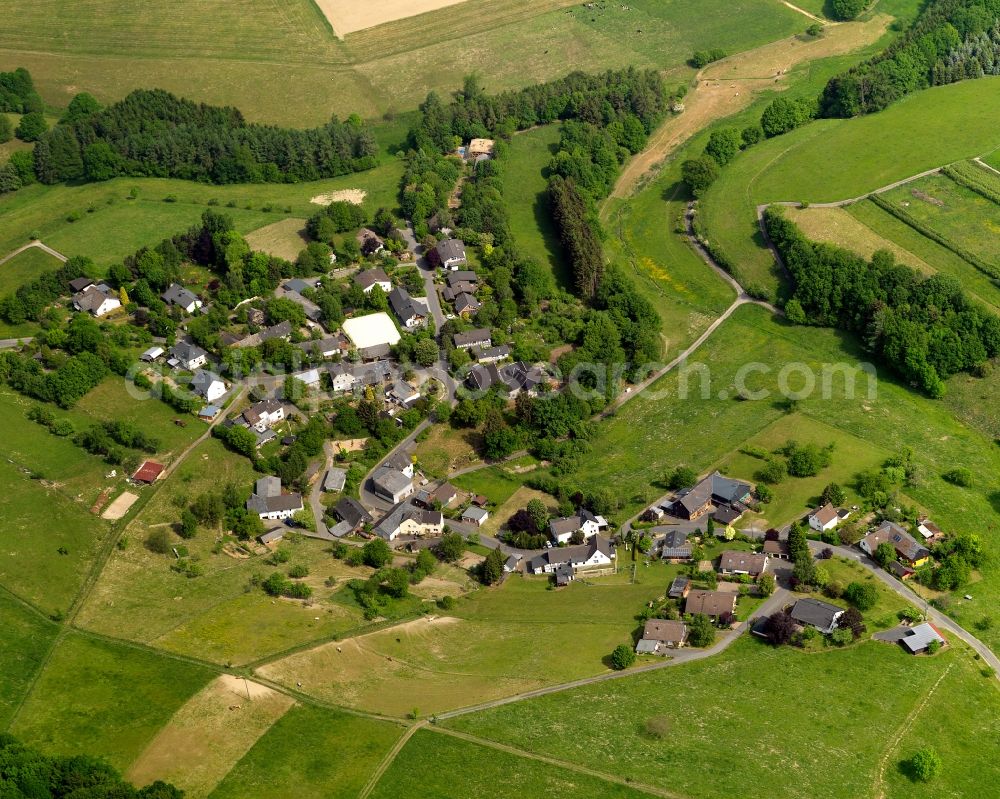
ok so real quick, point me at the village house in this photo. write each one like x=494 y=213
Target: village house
x=911 y=552
x=710 y=603
x=326 y=347
x=351 y=512
x=490 y=354
x=475 y=515
x=97 y=300
x=403 y=393
x=466 y=305
x=368 y=279
x=281 y=330
x=561 y=530
x=659 y=635
x=263 y=415
x=750 y=563
x=188 y=356
x=312 y=310
x=675 y=545
x=411 y=313
x=391 y=484
x=182 y=298
x=208 y=385
x=268 y=502
x=452 y=253
x=407 y=520
x=823 y=519
x=816 y=613
x=301 y=284
x=479 y=337
x=342 y=377
x=713 y=494
x=596 y=553
x=515 y=377
x=679 y=587
x=370 y=242
x=462 y=277
x=439 y=497
x=777 y=550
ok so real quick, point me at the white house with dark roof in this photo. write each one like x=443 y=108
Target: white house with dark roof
x=410 y=312
x=187 y=355
x=368 y=279
x=264 y=414
x=596 y=553
x=97 y=300
x=208 y=385
x=183 y=298
x=452 y=253
x=268 y=502
x=816 y=613
x=478 y=337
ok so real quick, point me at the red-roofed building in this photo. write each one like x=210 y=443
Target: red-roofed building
x=149 y=472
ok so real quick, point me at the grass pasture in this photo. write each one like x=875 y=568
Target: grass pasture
x=282 y=63
x=493 y=482
x=105 y=699
x=446 y=449
x=941 y=259
x=26 y=639
x=209 y=734
x=848 y=705
x=867 y=155
x=112 y=226
x=958 y=214
x=25 y=267
x=324 y=754
x=445 y=767
x=284 y=239
x=488 y=647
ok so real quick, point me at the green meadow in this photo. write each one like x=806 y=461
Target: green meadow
x=26 y=638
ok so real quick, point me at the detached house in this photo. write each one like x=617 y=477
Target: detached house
x=452 y=253
x=407 y=520
x=596 y=553
x=263 y=415
x=816 y=613
x=479 y=337
x=391 y=484
x=97 y=300
x=182 y=298
x=823 y=519
x=661 y=634
x=710 y=603
x=749 y=563
x=410 y=313
x=188 y=356
x=561 y=530
x=208 y=385
x=268 y=502
x=675 y=545
x=352 y=513
x=515 y=377
x=370 y=278
x=911 y=552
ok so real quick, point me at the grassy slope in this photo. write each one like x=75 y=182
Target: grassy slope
x=118 y=226
x=280 y=64
x=447 y=768
x=138 y=597
x=104 y=699
x=26 y=638
x=24 y=268
x=831 y=160
x=726 y=710
x=651 y=435
x=324 y=754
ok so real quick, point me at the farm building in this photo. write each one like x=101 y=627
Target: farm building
x=919 y=638
x=268 y=502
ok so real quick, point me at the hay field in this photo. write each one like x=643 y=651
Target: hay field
x=348 y=16
x=284 y=239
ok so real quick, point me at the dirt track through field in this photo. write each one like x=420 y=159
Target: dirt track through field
x=728 y=86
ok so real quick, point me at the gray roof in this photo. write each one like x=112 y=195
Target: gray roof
x=403 y=511
x=403 y=305
x=574 y=554
x=335 y=479
x=462 y=276
x=466 y=302
x=475 y=513
x=816 y=613
x=285 y=502
x=324 y=345
x=91 y=298
x=187 y=351
x=369 y=277
x=904 y=543
x=451 y=249
x=715 y=488
x=568 y=524
x=269 y=486
x=479 y=335
x=274 y=534
x=176 y=294
x=300 y=285
x=79 y=284
x=203 y=379
x=677 y=587
x=736 y=561
x=918 y=638
x=351 y=511
x=340 y=529
x=391 y=481
x=492 y=353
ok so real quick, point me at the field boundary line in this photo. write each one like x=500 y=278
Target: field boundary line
x=564 y=764
x=42 y=665
x=389 y=758
x=903 y=729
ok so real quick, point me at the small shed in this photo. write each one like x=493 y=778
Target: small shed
x=209 y=412
x=152 y=354
x=272 y=536
x=335 y=479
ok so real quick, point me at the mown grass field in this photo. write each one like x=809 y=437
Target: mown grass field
x=958 y=214
x=25 y=267
x=782 y=715
x=493 y=482
x=445 y=449
x=439 y=765
x=104 y=699
x=26 y=638
x=282 y=64
x=941 y=259
x=111 y=225
x=525 y=182
x=324 y=754
x=487 y=647
x=830 y=160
